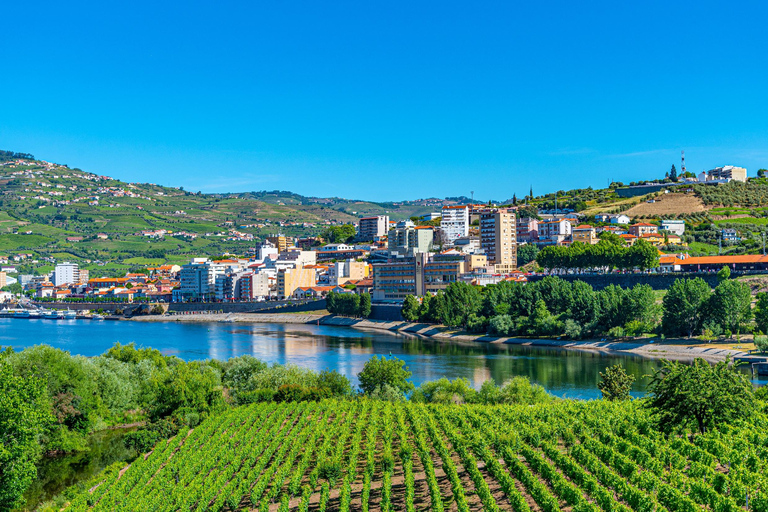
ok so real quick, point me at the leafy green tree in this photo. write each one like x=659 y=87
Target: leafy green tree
x=615 y=383
x=382 y=371
x=410 y=309
x=700 y=395
x=730 y=305
x=639 y=305
x=761 y=173
x=526 y=254
x=14 y=288
x=685 y=307
x=338 y=234
x=611 y=238
x=761 y=312
x=460 y=300
x=724 y=274
x=194 y=385
x=673 y=173
x=24 y=417
x=364 y=308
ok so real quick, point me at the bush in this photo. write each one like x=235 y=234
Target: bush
x=141 y=440
x=761 y=343
x=501 y=325
x=295 y=393
x=573 y=329
x=380 y=371
x=477 y=324
x=387 y=393
x=615 y=383
x=255 y=396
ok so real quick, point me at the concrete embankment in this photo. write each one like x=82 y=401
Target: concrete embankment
x=678 y=349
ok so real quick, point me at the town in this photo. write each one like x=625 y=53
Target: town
x=479 y=244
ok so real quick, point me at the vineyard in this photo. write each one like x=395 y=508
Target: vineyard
x=369 y=455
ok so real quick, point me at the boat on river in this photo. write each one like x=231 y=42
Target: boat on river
x=52 y=314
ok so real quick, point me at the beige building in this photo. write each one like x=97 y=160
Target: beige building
x=3 y=279
x=730 y=172
x=584 y=234
x=498 y=238
x=291 y=278
x=350 y=270
x=279 y=241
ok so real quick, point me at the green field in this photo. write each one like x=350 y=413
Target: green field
x=376 y=456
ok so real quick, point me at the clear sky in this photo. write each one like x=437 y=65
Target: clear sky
x=386 y=100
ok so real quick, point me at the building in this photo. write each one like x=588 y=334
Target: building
x=585 y=234
x=399 y=277
x=349 y=270
x=454 y=223
x=197 y=279
x=642 y=228
x=279 y=241
x=297 y=257
x=430 y=216
x=291 y=278
x=730 y=235
x=611 y=218
x=66 y=273
x=674 y=226
x=442 y=270
x=555 y=231
x=727 y=172
x=406 y=238
x=3 y=279
x=252 y=285
x=527 y=229
x=498 y=238
x=372 y=228
x=468 y=245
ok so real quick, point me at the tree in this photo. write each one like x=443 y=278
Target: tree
x=612 y=238
x=761 y=173
x=761 y=312
x=461 y=300
x=364 y=309
x=699 y=394
x=24 y=417
x=514 y=199
x=724 y=274
x=615 y=383
x=730 y=305
x=410 y=309
x=380 y=371
x=684 y=307
x=338 y=234
x=526 y=254
x=673 y=173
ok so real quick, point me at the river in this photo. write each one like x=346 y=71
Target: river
x=563 y=372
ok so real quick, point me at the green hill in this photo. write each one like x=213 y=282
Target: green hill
x=45 y=207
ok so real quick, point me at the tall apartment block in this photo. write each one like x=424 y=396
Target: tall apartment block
x=371 y=228
x=454 y=222
x=498 y=238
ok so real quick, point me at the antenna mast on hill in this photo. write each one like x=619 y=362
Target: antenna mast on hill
x=682 y=165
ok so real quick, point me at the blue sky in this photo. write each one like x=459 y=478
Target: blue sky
x=389 y=100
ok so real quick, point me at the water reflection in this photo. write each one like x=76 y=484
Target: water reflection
x=567 y=373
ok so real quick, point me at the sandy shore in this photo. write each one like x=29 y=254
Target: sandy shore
x=678 y=349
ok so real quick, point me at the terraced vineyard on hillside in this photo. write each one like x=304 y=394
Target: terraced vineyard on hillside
x=367 y=455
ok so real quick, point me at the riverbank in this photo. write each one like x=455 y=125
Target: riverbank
x=677 y=349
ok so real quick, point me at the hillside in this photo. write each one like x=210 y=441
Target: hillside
x=378 y=456
x=46 y=207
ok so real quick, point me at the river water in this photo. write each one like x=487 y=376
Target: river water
x=565 y=373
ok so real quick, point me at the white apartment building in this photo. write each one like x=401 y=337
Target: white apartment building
x=454 y=222
x=372 y=228
x=66 y=273
x=556 y=231
x=197 y=279
x=674 y=226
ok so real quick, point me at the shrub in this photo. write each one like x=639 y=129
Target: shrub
x=477 y=323
x=501 y=325
x=255 y=396
x=380 y=371
x=761 y=343
x=573 y=329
